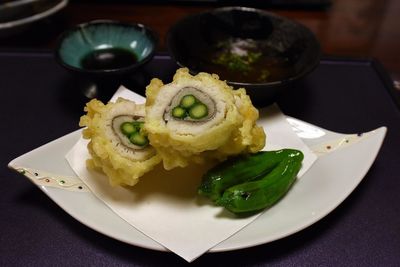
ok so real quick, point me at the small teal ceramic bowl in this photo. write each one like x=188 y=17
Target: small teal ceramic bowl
x=106 y=47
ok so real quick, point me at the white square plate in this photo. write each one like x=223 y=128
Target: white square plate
x=343 y=161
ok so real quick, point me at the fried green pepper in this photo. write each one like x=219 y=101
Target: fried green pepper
x=260 y=194
x=239 y=170
x=254 y=182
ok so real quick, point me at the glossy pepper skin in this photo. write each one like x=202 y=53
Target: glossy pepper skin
x=238 y=170
x=265 y=178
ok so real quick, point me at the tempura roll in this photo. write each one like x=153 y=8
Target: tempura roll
x=195 y=118
x=118 y=144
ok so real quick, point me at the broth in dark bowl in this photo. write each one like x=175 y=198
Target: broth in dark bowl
x=247 y=47
x=244 y=60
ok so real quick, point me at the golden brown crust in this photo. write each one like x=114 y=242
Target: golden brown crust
x=104 y=148
x=236 y=133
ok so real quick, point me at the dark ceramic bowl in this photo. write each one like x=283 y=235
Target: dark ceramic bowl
x=18 y=15
x=247 y=47
x=104 y=47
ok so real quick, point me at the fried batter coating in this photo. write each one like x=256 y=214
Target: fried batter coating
x=228 y=126
x=111 y=150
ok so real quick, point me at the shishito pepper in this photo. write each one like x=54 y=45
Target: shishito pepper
x=239 y=170
x=254 y=182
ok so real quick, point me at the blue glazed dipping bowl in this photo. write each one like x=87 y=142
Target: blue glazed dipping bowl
x=105 y=47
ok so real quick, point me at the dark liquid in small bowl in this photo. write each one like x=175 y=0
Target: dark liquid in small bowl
x=108 y=59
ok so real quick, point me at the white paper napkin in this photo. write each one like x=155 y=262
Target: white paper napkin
x=164 y=205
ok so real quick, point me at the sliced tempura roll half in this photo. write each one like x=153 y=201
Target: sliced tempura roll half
x=195 y=118
x=118 y=144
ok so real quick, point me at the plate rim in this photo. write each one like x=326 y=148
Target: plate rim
x=34 y=17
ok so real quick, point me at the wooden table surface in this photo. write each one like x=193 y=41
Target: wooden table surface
x=350 y=28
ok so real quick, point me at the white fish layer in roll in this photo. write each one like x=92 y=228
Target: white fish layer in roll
x=118 y=145
x=195 y=118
